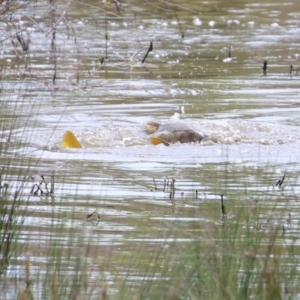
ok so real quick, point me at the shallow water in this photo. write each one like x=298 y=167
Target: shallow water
x=251 y=120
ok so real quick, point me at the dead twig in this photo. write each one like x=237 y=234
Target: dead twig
x=179 y=25
x=265 y=67
x=149 y=50
x=89 y=216
x=280 y=181
x=172 y=189
x=223 y=206
x=41 y=189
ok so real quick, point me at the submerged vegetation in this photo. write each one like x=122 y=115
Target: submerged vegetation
x=69 y=232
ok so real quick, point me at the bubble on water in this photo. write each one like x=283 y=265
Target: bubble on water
x=274 y=25
x=197 y=22
x=278 y=171
x=227 y=60
x=211 y=23
x=194 y=92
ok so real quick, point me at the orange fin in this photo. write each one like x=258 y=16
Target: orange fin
x=70 y=140
x=157 y=141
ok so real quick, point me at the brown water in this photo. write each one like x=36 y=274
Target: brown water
x=251 y=119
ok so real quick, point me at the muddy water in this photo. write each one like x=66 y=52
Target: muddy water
x=211 y=79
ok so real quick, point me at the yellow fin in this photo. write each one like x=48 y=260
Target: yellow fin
x=70 y=140
x=157 y=141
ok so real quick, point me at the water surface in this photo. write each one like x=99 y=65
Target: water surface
x=210 y=79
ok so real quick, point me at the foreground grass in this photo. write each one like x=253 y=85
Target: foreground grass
x=245 y=255
x=236 y=259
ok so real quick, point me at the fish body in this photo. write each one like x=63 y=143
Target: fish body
x=172 y=132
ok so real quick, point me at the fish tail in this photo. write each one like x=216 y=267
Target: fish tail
x=70 y=141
